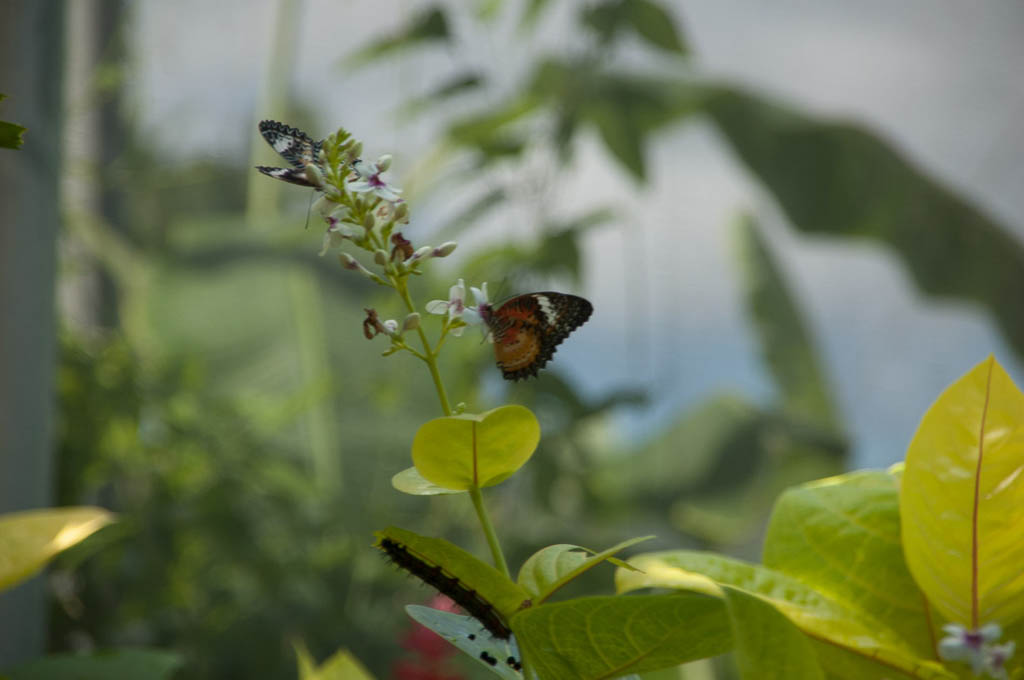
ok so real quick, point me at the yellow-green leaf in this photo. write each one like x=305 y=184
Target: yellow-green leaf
x=962 y=500
x=28 y=540
x=552 y=567
x=341 y=665
x=812 y=612
x=482 y=449
x=766 y=644
x=841 y=536
x=410 y=481
x=593 y=638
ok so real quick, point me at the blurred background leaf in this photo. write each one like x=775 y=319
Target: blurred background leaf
x=188 y=373
x=428 y=26
x=134 y=664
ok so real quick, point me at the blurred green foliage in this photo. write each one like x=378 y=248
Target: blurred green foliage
x=186 y=417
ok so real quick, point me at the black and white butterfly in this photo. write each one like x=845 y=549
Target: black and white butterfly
x=296 y=147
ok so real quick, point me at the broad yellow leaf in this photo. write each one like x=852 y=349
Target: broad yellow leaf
x=962 y=500
x=28 y=540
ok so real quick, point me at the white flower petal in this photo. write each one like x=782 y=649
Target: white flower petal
x=388 y=192
x=437 y=307
x=457 y=292
x=990 y=632
x=480 y=294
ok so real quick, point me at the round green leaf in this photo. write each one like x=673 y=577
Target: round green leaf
x=484 y=449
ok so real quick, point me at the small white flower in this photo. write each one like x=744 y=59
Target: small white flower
x=455 y=306
x=338 y=231
x=996 y=657
x=367 y=179
x=473 y=315
x=977 y=649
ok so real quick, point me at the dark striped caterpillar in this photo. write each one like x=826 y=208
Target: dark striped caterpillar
x=434 y=575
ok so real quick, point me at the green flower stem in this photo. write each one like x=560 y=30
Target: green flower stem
x=430 y=357
x=485 y=524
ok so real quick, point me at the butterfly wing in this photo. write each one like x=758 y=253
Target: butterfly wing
x=295 y=146
x=290 y=175
x=528 y=328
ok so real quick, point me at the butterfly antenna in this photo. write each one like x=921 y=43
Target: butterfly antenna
x=501 y=288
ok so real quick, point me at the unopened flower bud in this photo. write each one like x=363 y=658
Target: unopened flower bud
x=412 y=322
x=392 y=326
x=422 y=252
x=445 y=249
x=368 y=221
x=384 y=162
x=355 y=151
x=380 y=257
x=402 y=212
x=314 y=175
x=349 y=262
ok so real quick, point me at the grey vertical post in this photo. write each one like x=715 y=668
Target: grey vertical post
x=31 y=61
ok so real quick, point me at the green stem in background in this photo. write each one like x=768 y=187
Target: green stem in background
x=492 y=538
x=474 y=491
x=313 y=378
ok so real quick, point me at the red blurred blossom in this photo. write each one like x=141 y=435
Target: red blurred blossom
x=431 y=649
